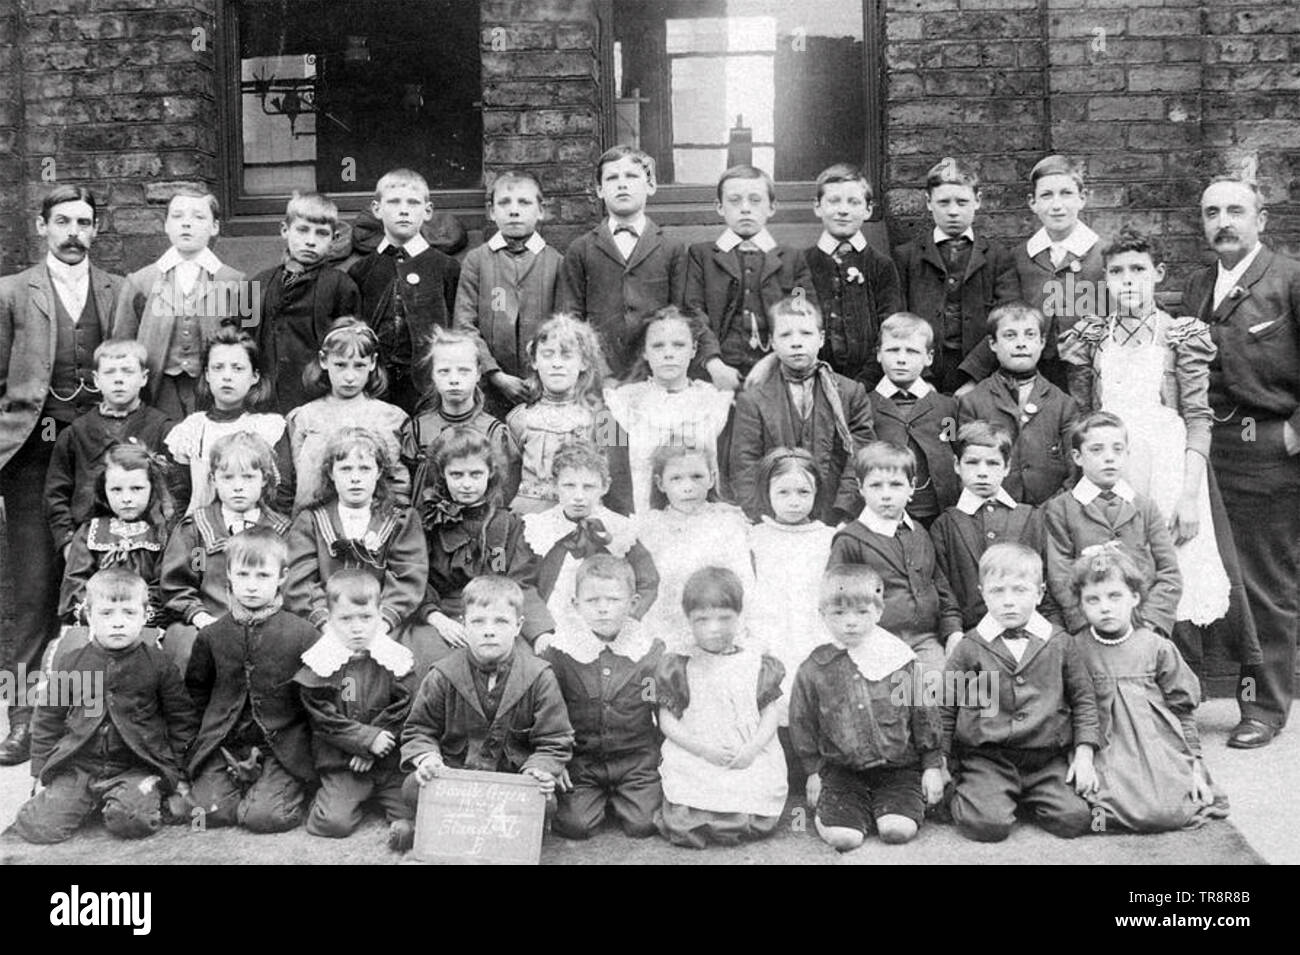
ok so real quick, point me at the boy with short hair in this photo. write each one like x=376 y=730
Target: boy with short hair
x=357 y=684
x=802 y=403
x=580 y=526
x=407 y=286
x=507 y=287
x=488 y=706
x=455 y=399
x=114 y=738
x=1103 y=507
x=602 y=660
x=1036 y=413
x=918 y=605
x=174 y=305
x=78 y=456
x=951 y=276
x=909 y=411
x=871 y=747
x=855 y=285
x=626 y=267
x=1014 y=750
x=985 y=514
x=298 y=300
x=252 y=763
x=737 y=279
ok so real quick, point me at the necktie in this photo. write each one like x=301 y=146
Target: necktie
x=1110 y=504
x=516 y=246
x=748 y=246
x=396 y=252
x=842 y=250
x=904 y=398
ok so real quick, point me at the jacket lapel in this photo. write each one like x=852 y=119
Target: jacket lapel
x=40 y=296
x=930 y=252
x=968 y=529
x=1035 y=647
x=605 y=243
x=779 y=400
x=646 y=243
x=1253 y=275
x=772 y=263
x=515 y=687
x=727 y=262
x=1005 y=400
x=976 y=260
x=101 y=286
x=463 y=682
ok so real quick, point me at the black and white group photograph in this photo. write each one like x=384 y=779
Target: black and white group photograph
x=650 y=432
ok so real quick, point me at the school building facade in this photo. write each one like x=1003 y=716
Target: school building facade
x=256 y=98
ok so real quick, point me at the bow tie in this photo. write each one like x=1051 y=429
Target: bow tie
x=395 y=251
x=1016 y=633
x=516 y=246
x=956 y=240
x=626 y=228
x=587 y=537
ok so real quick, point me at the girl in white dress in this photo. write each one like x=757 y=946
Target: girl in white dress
x=685 y=531
x=790 y=554
x=724 y=776
x=660 y=404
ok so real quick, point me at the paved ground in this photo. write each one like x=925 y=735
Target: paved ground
x=1259 y=784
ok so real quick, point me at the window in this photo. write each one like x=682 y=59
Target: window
x=789 y=85
x=330 y=94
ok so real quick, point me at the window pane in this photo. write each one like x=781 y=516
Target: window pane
x=336 y=92
x=778 y=82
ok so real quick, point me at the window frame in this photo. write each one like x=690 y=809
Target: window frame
x=674 y=204
x=256 y=213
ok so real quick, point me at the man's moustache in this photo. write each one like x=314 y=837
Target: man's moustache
x=1225 y=234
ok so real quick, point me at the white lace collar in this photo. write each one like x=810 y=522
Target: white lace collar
x=879 y=655
x=577 y=640
x=544 y=529
x=329 y=654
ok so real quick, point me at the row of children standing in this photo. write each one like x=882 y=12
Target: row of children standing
x=346 y=464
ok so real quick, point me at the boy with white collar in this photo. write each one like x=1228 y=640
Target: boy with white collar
x=985 y=514
x=872 y=754
x=1024 y=749
x=856 y=285
x=357 y=684
x=407 y=286
x=1103 y=507
x=909 y=411
x=507 y=287
x=176 y=304
x=737 y=278
x=603 y=660
x=918 y=604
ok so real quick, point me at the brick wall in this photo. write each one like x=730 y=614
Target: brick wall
x=13 y=214
x=119 y=95
x=541 y=102
x=1153 y=96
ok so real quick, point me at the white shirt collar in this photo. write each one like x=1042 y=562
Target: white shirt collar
x=1085 y=492
x=577 y=640
x=941 y=236
x=206 y=260
x=70 y=275
x=1077 y=242
x=1232 y=276
x=249 y=517
x=879 y=655
x=989 y=629
x=828 y=243
x=970 y=503
x=920 y=388
x=330 y=653
x=873 y=522
x=639 y=224
x=413 y=247
x=729 y=240
x=535 y=243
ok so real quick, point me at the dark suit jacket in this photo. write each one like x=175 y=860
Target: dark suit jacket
x=531 y=728
x=506 y=311
x=713 y=287
x=234 y=664
x=990 y=280
x=865 y=307
x=1069 y=527
x=141 y=693
x=764 y=421
x=1040 y=457
x=932 y=423
x=28 y=342
x=959 y=543
x=614 y=295
x=1257 y=333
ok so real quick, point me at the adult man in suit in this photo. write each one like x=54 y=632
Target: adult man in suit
x=52 y=317
x=1251 y=300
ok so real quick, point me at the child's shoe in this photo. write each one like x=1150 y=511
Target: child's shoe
x=401 y=835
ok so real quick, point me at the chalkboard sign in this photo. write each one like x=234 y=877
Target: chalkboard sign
x=466 y=817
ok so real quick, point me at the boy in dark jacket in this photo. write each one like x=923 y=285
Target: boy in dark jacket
x=252 y=763
x=490 y=706
x=950 y=276
x=1038 y=414
x=357 y=684
x=602 y=660
x=114 y=727
x=297 y=301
